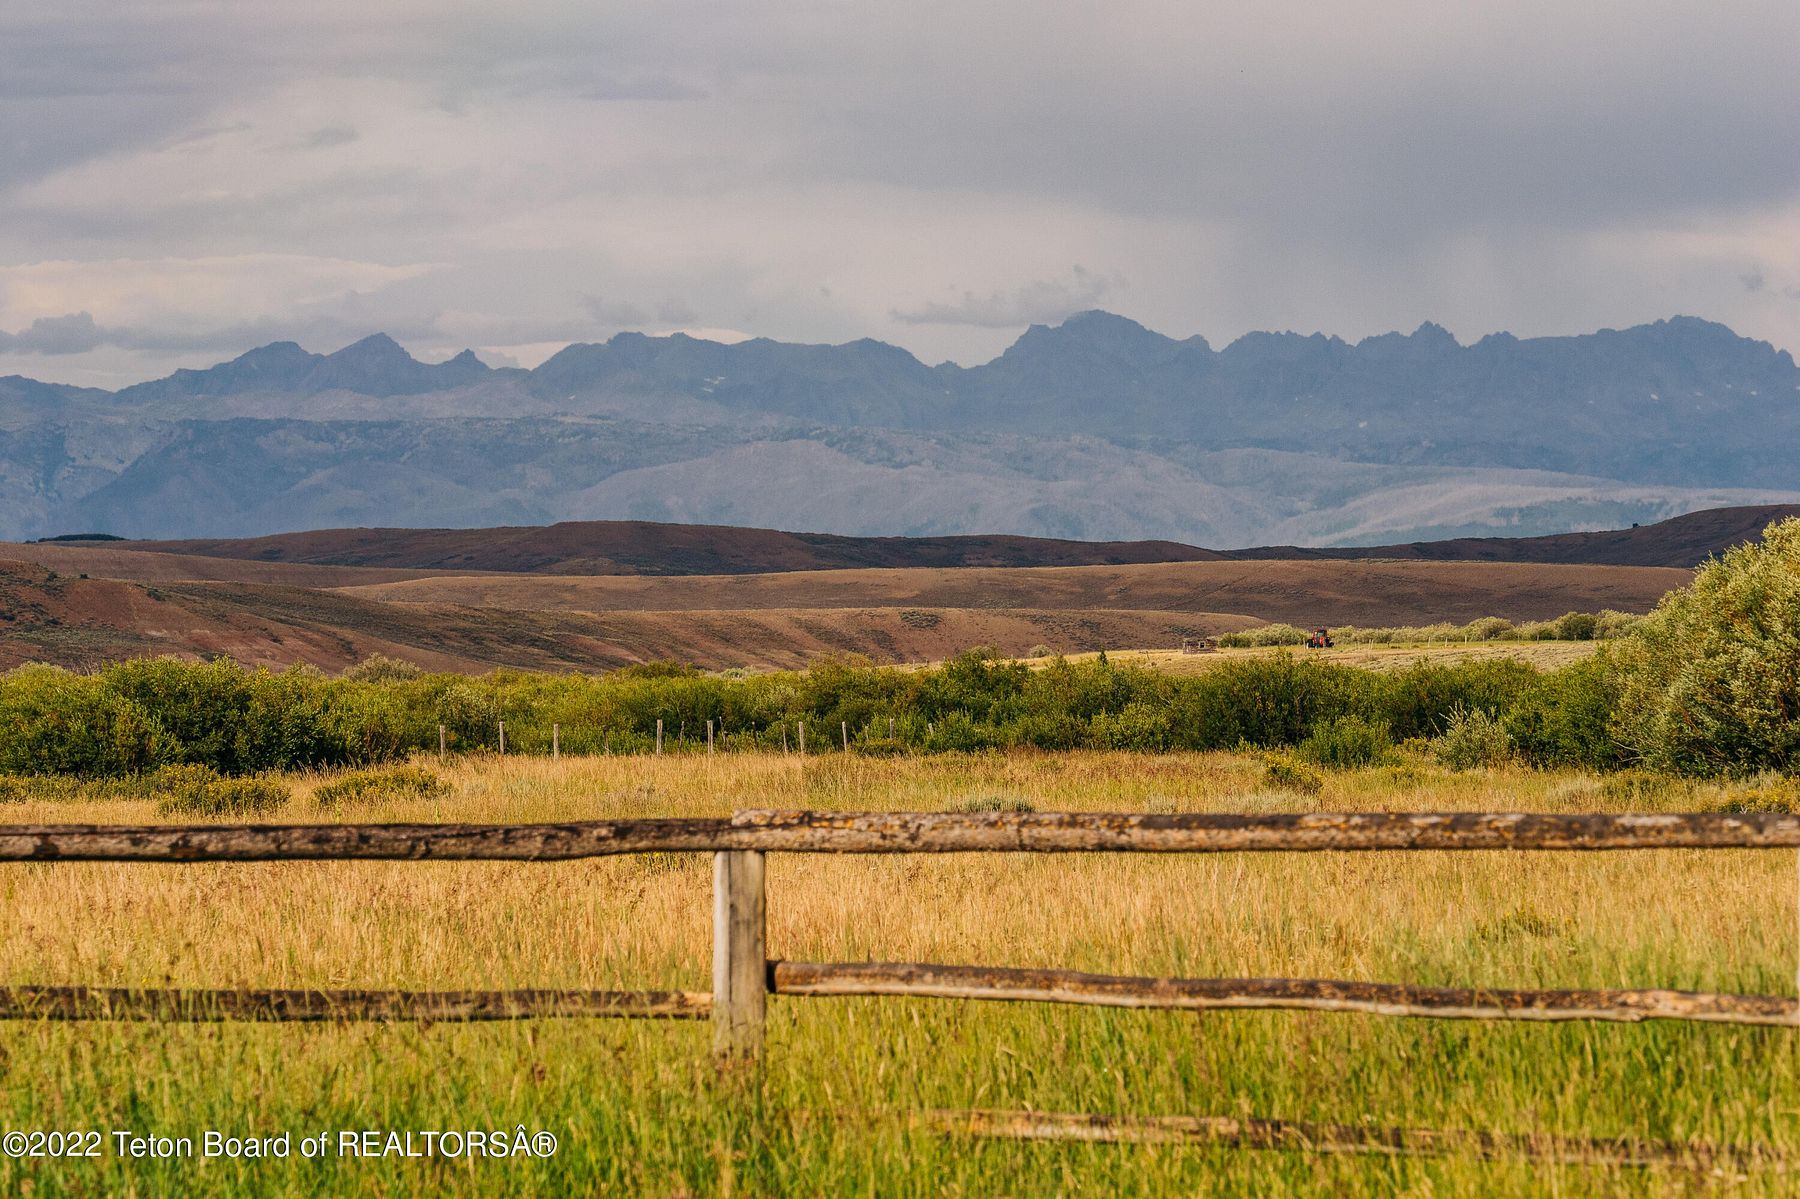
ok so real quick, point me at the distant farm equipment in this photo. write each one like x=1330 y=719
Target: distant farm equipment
x=1319 y=639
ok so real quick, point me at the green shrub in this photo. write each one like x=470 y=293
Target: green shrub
x=1264 y=636
x=1613 y=623
x=54 y=722
x=1472 y=738
x=191 y=790
x=1562 y=717
x=1576 y=626
x=1139 y=726
x=1283 y=771
x=1710 y=681
x=1488 y=628
x=379 y=668
x=375 y=786
x=1347 y=743
x=955 y=732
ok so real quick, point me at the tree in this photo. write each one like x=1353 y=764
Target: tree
x=1710 y=681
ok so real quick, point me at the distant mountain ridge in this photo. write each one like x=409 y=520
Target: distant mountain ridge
x=1096 y=429
x=643 y=548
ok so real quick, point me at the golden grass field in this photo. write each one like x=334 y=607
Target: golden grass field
x=1545 y=655
x=640 y=1109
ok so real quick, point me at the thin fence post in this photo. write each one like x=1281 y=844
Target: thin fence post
x=890 y=728
x=844 y=726
x=803 y=737
x=502 y=737
x=555 y=742
x=709 y=744
x=659 y=735
x=784 y=740
x=740 y=954
x=443 y=743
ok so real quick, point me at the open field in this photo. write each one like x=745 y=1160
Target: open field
x=86 y=622
x=81 y=607
x=1545 y=655
x=1304 y=593
x=639 y=1108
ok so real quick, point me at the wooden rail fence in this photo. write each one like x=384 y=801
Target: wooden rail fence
x=744 y=976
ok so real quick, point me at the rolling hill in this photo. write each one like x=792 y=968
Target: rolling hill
x=642 y=547
x=595 y=595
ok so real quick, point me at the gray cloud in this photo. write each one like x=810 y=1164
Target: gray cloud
x=75 y=333
x=1046 y=301
x=820 y=172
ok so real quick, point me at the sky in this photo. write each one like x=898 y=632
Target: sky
x=181 y=180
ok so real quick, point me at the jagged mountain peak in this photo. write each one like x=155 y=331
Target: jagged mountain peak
x=376 y=347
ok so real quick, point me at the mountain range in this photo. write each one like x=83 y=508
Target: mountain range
x=1096 y=429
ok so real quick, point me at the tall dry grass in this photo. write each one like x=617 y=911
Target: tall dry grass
x=639 y=1109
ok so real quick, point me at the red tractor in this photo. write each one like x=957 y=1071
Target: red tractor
x=1319 y=639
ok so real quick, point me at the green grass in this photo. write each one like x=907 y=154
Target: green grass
x=639 y=1108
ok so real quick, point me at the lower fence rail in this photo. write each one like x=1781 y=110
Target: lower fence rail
x=1307 y=994
x=208 y=1005
x=1248 y=1132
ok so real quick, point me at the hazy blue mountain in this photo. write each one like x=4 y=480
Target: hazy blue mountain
x=1094 y=428
x=374 y=366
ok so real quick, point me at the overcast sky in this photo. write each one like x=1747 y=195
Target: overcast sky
x=181 y=180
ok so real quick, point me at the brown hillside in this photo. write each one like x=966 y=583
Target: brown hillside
x=609 y=547
x=108 y=560
x=46 y=617
x=645 y=548
x=1314 y=592
x=1684 y=541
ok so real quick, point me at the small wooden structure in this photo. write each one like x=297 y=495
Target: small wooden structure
x=1199 y=645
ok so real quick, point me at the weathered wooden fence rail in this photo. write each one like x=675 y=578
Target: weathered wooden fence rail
x=744 y=977
x=905 y=832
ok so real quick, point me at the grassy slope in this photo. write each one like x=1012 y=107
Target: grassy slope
x=1305 y=593
x=639 y=1109
x=81 y=622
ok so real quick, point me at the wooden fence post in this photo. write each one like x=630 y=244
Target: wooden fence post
x=740 y=957
x=503 y=738
x=784 y=740
x=844 y=727
x=709 y=745
x=803 y=737
x=555 y=742
x=443 y=743
x=659 y=735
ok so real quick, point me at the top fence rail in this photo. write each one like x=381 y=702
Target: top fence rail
x=905 y=832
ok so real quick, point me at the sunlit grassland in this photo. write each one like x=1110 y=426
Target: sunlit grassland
x=640 y=1109
x=1545 y=655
